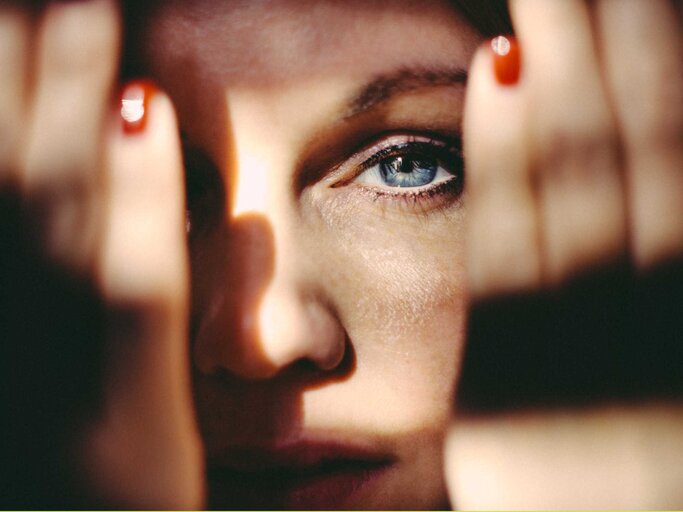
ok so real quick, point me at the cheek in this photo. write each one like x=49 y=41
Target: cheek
x=390 y=270
x=398 y=285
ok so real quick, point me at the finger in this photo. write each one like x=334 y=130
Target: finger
x=502 y=245
x=573 y=143
x=611 y=457
x=143 y=271
x=144 y=256
x=642 y=48
x=14 y=55
x=76 y=62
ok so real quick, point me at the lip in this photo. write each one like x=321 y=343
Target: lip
x=302 y=475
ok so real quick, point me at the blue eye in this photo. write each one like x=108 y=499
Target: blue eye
x=404 y=171
x=410 y=165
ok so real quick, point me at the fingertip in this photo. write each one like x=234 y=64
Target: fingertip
x=506 y=57
x=144 y=244
x=134 y=105
x=142 y=109
x=495 y=118
x=496 y=67
x=502 y=245
x=481 y=62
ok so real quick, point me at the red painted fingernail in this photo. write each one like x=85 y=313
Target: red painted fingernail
x=506 y=59
x=135 y=98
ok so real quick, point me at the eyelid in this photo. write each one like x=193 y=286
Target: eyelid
x=370 y=155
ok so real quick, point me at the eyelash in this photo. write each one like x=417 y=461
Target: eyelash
x=205 y=199
x=433 y=195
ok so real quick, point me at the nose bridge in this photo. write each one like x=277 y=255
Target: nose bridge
x=250 y=276
x=268 y=315
x=276 y=318
x=250 y=265
x=251 y=252
x=251 y=187
x=251 y=223
x=256 y=248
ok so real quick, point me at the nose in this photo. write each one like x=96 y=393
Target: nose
x=266 y=312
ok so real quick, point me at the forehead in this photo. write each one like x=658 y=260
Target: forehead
x=259 y=42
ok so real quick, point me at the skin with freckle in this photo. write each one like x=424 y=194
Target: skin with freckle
x=325 y=307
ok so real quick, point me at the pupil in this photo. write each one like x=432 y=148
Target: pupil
x=400 y=164
x=404 y=171
x=409 y=165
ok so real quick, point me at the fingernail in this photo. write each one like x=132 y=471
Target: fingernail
x=506 y=59
x=135 y=98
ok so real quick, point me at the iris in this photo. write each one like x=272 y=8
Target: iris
x=404 y=171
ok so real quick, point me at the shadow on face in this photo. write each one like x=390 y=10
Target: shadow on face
x=325 y=183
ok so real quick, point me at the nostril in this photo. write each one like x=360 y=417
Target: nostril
x=290 y=326
x=331 y=361
x=317 y=375
x=330 y=351
x=265 y=318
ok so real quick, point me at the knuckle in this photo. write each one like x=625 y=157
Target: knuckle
x=662 y=138
x=659 y=127
x=12 y=126
x=80 y=37
x=69 y=169
x=583 y=147
x=158 y=303
x=651 y=109
x=145 y=283
x=167 y=292
x=164 y=300
x=9 y=141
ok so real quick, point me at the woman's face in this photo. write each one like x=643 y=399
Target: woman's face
x=324 y=189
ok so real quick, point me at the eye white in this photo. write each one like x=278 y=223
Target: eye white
x=372 y=176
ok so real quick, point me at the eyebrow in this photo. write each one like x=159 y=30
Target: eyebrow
x=403 y=80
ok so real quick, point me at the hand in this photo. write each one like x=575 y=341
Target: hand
x=96 y=401
x=573 y=371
